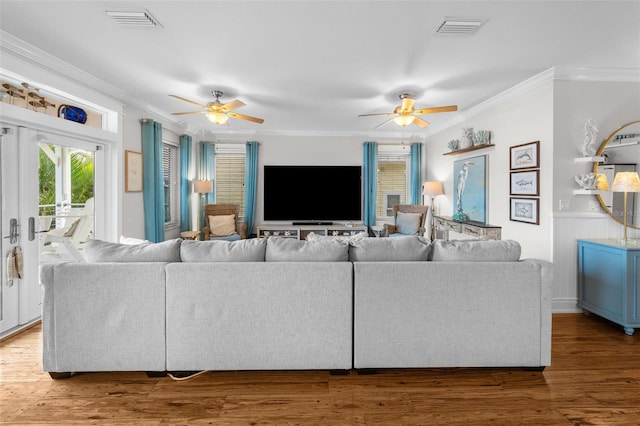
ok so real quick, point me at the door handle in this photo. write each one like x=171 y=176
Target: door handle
x=13 y=231
x=32 y=229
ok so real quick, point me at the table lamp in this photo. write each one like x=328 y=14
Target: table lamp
x=626 y=182
x=433 y=189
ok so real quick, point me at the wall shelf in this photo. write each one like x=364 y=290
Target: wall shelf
x=471 y=148
x=588 y=160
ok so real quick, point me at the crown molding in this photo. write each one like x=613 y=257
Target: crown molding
x=539 y=80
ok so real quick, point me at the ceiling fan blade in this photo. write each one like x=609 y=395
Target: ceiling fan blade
x=407 y=104
x=383 y=123
x=420 y=122
x=378 y=113
x=190 y=112
x=437 y=109
x=246 y=117
x=187 y=100
x=232 y=105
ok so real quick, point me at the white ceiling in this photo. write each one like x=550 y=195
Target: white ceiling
x=314 y=66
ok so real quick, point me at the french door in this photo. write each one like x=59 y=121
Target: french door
x=27 y=223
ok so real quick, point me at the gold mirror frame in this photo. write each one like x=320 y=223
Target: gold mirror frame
x=595 y=171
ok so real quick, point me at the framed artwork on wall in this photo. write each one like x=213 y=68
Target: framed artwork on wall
x=525 y=156
x=525 y=210
x=470 y=186
x=133 y=171
x=525 y=183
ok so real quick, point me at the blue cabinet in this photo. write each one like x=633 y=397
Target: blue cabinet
x=608 y=275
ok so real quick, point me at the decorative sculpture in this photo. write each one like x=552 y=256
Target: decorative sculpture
x=460 y=215
x=586 y=181
x=453 y=144
x=467 y=137
x=590 y=146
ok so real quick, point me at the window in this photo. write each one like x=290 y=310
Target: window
x=393 y=179
x=171 y=174
x=230 y=170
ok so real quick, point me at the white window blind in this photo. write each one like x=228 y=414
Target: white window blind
x=171 y=174
x=229 y=180
x=392 y=183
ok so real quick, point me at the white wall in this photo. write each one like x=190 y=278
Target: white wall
x=610 y=105
x=525 y=118
x=132 y=202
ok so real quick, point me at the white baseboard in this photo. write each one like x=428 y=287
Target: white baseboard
x=565 y=306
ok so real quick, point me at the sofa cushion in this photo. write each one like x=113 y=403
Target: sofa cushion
x=222 y=225
x=252 y=250
x=408 y=248
x=103 y=251
x=475 y=250
x=408 y=223
x=292 y=250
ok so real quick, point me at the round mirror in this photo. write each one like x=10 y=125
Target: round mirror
x=621 y=151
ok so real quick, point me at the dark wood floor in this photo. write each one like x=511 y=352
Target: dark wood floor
x=594 y=379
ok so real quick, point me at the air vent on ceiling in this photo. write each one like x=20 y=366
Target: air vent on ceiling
x=134 y=18
x=459 y=26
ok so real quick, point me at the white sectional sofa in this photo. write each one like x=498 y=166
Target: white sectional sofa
x=280 y=304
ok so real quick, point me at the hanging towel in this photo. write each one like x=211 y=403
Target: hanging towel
x=17 y=254
x=11 y=268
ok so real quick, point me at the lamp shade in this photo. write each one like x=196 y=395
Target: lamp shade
x=203 y=186
x=404 y=120
x=432 y=188
x=217 y=117
x=601 y=182
x=626 y=182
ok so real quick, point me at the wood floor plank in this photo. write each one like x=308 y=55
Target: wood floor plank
x=594 y=379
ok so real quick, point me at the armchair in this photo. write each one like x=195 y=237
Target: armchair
x=408 y=219
x=222 y=223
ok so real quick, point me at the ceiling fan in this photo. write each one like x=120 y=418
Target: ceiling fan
x=405 y=114
x=216 y=111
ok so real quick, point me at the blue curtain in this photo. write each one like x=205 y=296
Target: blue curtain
x=415 y=187
x=370 y=182
x=251 y=185
x=207 y=171
x=186 y=174
x=153 y=181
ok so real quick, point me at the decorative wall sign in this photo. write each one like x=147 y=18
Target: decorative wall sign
x=470 y=184
x=525 y=210
x=133 y=171
x=525 y=156
x=525 y=183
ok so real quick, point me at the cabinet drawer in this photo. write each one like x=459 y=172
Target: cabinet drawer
x=472 y=230
x=456 y=227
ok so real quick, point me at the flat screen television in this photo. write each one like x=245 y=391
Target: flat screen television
x=313 y=194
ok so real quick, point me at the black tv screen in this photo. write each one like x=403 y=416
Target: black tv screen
x=313 y=193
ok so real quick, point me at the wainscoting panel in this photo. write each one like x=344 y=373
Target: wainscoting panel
x=567 y=229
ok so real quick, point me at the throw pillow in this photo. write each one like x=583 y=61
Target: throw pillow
x=251 y=250
x=409 y=248
x=292 y=250
x=222 y=225
x=408 y=223
x=103 y=251
x=476 y=250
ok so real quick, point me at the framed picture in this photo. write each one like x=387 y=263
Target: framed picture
x=525 y=183
x=525 y=156
x=525 y=210
x=132 y=171
x=470 y=186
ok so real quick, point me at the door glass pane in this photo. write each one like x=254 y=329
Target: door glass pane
x=66 y=203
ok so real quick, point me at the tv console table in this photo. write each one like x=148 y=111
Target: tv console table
x=300 y=232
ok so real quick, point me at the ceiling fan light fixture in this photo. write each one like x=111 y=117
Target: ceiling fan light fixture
x=217 y=117
x=404 y=120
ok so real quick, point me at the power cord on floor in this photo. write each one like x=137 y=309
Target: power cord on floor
x=190 y=376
